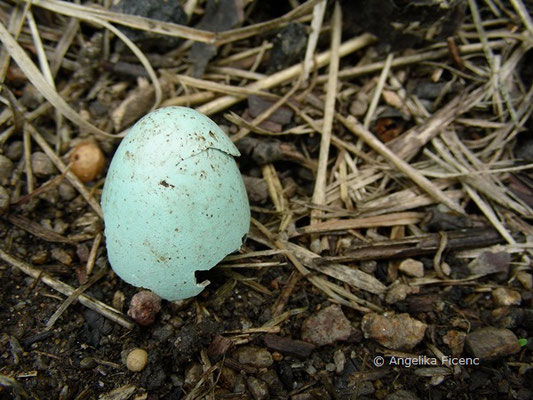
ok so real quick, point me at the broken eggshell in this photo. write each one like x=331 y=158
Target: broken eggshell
x=173 y=201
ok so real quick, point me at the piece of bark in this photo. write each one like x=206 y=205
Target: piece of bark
x=265 y=151
x=218 y=347
x=287 y=346
x=418 y=246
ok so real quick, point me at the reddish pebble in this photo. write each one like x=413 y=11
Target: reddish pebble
x=144 y=307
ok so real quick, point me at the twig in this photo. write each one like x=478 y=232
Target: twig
x=73 y=297
x=524 y=14
x=424 y=183
x=67 y=290
x=417 y=246
x=316 y=24
x=319 y=193
x=405 y=218
x=377 y=92
x=287 y=74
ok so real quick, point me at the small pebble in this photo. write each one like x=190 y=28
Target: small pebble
x=66 y=191
x=506 y=297
x=41 y=165
x=399 y=292
x=4 y=200
x=525 y=279
x=137 y=360
x=275 y=387
x=396 y=331
x=255 y=356
x=63 y=256
x=40 y=257
x=87 y=363
x=6 y=169
x=340 y=359
x=490 y=263
x=455 y=341
x=489 y=343
x=144 y=307
x=402 y=395
x=327 y=326
x=192 y=375
x=87 y=161
x=412 y=267
x=14 y=150
x=119 y=298
x=258 y=388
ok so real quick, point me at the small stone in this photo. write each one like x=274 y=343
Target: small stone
x=136 y=360
x=359 y=106
x=41 y=165
x=87 y=363
x=399 y=292
x=288 y=47
x=228 y=377
x=63 y=256
x=455 y=341
x=6 y=169
x=368 y=266
x=119 y=298
x=327 y=326
x=489 y=343
x=192 y=375
x=254 y=356
x=257 y=105
x=239 y=384
x=144 y=307
x=339 y=359
x=397 y=332
x=412 y=268
x=87 y=161
x=507 y=317
x=257 y=189
x=66 y=191
x=402 y=395
x=506 y=297
x=527 y=322
x=40 y=257
x=163 y=333
x=258 y=388
x=15 y=150
x=490 y=263
x=4 y=200
x=275 y=387
x=525 y=279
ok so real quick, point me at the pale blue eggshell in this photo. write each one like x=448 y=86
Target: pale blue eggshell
x=173 y=201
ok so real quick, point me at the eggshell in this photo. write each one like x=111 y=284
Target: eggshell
x=173 y=201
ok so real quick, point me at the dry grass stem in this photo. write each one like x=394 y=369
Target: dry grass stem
x=316 y=25
x=67 y=290
x=287 y=74
x=319 y=193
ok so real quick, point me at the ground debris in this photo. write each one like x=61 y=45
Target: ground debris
x=489 y=343
x=396 y=331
